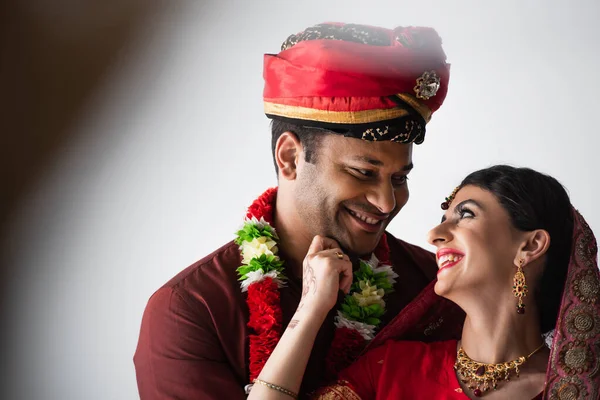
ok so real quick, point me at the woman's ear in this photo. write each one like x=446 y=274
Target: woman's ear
x=534 y=247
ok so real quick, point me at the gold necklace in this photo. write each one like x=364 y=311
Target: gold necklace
x=481 y=377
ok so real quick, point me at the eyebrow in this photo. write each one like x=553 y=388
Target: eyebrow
x=379 y=163
x=460 y=205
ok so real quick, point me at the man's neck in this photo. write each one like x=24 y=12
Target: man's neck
x=294 y=241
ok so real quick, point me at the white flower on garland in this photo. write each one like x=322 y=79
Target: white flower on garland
x=369 y=295
x=260 y=223
x=259 y=275
x=367 y=331
x=257 y=247
x=391 y=275
x=374 y=262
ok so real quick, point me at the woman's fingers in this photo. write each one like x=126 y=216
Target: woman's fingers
x=346 y=279
x=327 y=269
x=320 y=243
x=340 y=265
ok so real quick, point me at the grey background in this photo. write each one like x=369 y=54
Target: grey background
x=172 y=145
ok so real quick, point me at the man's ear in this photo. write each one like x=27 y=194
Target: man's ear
x=287 y=150
x=536 y=244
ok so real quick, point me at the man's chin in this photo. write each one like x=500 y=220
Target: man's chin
x=357 y=241
x=361 y=248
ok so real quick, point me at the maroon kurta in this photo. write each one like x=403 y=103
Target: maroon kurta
x=193 y=340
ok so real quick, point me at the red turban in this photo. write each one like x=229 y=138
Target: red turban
x=361 y=81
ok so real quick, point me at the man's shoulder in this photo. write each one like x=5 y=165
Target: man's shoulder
x=216 y=270
x=402 y=252
x=416 y=252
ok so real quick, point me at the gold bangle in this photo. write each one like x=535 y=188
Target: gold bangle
x=278 y=388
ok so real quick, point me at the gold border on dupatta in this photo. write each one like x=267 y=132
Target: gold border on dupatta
x=338 y=391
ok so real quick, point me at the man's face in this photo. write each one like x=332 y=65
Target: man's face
x=352 y=190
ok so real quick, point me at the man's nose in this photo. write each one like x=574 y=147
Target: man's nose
x=383 y=197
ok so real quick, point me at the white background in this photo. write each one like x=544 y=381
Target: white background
x=176 y=145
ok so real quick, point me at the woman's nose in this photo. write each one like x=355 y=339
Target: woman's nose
x=439 y=235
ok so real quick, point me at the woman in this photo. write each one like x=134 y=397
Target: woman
x=516 y=257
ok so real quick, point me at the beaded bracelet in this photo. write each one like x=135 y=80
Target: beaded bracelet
x=278 y=388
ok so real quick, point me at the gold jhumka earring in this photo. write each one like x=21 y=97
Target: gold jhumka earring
x=520 y=287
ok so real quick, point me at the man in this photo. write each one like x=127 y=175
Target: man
x=347 y=104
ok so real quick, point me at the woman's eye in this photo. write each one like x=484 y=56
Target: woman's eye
x=464 y=213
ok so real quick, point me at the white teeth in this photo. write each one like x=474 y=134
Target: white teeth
x=448 y=258
x=363 y=218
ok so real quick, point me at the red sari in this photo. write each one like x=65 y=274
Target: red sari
x=426 y=371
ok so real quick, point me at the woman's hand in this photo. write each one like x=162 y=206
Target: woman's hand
x=326 y=271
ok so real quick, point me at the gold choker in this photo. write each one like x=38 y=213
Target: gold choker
x=480 y=377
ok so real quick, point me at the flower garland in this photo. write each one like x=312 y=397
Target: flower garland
x=261 y=275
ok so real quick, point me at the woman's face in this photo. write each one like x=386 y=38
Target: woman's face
x=476 y=248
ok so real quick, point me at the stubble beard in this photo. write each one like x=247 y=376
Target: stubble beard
x=349 y=243
x=319 y=217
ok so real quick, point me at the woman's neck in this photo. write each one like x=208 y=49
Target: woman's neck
x=495 y=334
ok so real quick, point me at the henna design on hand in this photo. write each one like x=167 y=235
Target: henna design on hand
x=309 y=281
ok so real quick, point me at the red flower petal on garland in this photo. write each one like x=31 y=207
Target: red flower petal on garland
x=264 y=306
x=345 y=348
x=261 y=347
x=263 y=206
x=382 y=251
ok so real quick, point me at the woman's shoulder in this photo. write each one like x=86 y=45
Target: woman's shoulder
x=378 y=370
x=416 y=357
x=417 y=348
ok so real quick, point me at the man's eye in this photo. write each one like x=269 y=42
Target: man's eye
x=364 y=172
x=400 y=180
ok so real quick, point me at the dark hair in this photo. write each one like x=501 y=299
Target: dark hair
x=535 y=201
x=309 y=137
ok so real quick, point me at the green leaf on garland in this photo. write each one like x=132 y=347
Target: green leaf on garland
x=243 y=271
x=364 y=272
x=375 y=310
x=266 y=263
x=251 y=231
x=352 y=311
